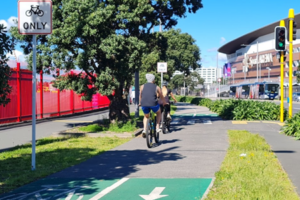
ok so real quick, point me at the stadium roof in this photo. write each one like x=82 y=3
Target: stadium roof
x=234 y=45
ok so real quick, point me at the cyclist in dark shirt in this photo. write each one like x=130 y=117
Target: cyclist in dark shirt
x=166 y=92
x=148 y=99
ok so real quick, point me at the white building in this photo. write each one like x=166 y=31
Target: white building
x=209 y=74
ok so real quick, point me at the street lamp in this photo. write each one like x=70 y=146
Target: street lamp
x=269 y=69
x=256 y=58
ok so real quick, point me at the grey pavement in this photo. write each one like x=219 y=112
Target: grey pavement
x=189 y=151
x=12 y=136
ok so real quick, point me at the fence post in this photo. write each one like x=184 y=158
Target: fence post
x=19 y=91
x=72 y=101
x=41 y=94
x=58 y=97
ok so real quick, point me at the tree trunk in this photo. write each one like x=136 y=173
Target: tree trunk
x=119 y=109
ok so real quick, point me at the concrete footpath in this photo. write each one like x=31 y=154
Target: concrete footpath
x=181 y=167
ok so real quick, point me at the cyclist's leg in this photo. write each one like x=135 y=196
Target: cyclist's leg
x=146 y=111
x=156 y=109
x=168 y=111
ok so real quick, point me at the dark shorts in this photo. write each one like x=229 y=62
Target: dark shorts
x=167 y=108
x=146 y=110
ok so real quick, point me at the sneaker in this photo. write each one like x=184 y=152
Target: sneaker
x=144 y=134
x=158 y=130
x=169 y=117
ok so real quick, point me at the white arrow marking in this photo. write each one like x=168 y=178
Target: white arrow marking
x=155 y=194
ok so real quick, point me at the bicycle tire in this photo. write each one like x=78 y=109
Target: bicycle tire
x=28 y=13
x=168 y=125
x=155 y=134
x=163 y=123
x=149 y=134
x=40 y=13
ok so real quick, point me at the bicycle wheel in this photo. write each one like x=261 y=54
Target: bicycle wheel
x=155 y=134
x=40 y=13
x=163 y=122
x=28 y=13
x=149 y=134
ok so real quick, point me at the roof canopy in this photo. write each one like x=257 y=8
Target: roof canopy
x=234 y=45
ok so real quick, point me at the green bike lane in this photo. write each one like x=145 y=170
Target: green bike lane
x=181 y=166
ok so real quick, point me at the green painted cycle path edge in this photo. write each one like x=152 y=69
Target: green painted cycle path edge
x=125 y=189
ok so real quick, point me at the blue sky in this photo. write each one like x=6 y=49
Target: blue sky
x=218 y=22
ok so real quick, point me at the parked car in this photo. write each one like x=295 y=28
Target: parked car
x=224 y=94
x=296 y=96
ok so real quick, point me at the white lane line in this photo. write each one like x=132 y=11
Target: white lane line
x=109 y=189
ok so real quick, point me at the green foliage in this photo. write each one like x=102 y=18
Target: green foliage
x=6 y=46
x=191 y=80
x=117 y=127
x=108 y=41
x=256 y=175
x=232 y=109
x=292 y=126
x=177 y=49
x=53 y=155
x=92 y=128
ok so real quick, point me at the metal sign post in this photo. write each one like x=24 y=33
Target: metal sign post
x=162 y=68
x=219 y=80
x=34 y=18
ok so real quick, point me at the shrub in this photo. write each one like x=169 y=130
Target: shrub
x=292 y=126
x=238 y=109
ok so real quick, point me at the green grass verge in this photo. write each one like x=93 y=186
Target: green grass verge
x=130 y=126
x=258 y=175
x=52 y=155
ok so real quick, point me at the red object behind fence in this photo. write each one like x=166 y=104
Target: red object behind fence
x=49 y=100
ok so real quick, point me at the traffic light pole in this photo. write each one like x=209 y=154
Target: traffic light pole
x=291 y=17
x=281 y=86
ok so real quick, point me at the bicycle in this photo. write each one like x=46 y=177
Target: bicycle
x=165 y=122
x=37 y=12
x=151 y=130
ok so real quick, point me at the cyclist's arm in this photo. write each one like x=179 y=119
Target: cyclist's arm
x=140 y=97
x=173 y=97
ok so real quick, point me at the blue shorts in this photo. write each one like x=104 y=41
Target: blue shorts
x=146 y=110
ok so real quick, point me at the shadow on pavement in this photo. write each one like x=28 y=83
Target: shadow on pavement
x=116 y=164
x=284 y=151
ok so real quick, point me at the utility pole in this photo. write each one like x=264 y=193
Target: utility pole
x=160 y=30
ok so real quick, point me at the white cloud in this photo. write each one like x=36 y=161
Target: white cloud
x=223 y=40
x=214 y=49
x=222 y=57
x=19 y=54
x=9 y=23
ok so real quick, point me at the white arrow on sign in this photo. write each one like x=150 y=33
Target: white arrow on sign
x=155 y=194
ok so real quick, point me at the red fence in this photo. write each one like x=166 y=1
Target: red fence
x=49 y=100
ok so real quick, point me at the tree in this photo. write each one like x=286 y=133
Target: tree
x=190 y=81
x=107 y=40
x=177 y=49
x=6 y=46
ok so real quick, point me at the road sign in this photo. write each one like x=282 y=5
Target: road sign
x=162 y=67
x=35 y=17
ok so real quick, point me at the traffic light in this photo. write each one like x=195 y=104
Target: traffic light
x=294 y=30
x=280 y=37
